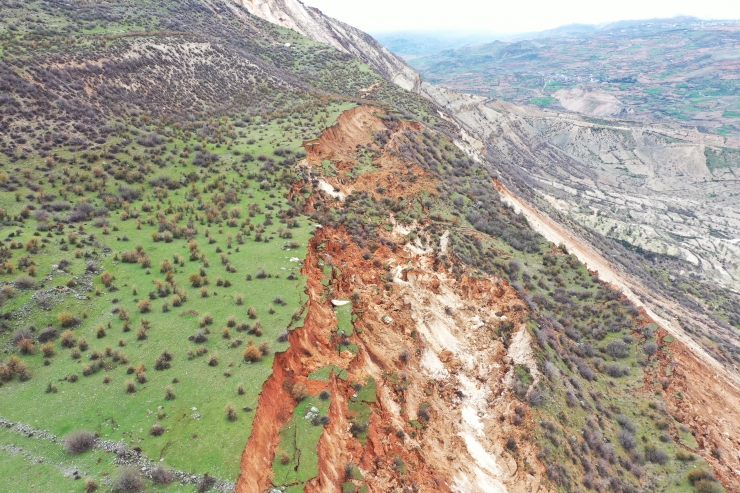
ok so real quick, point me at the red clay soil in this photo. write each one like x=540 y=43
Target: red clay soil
x=308 y=345
x=429 y=456
x=709 y=405
x=700 y=399
x=339 y=145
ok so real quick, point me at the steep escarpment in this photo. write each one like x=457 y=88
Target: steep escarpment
x=419 y=338
x=461 y=353
x=313 y=24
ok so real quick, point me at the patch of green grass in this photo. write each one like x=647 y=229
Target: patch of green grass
x=323 y=374
x=22 y=472
x=296 y=460
x=544 y=101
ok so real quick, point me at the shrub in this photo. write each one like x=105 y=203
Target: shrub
x=655 y=455
x=48 y=334
x=79 y=442
x=21 y=334
x=82 y=344
x=48 y=350
x=128 y=480
x=199 y=337
x=25 y=282
x=130 y=386
x=90 y=485
x=205 y=484
x=617 y=349
x=616 y=371
x=6 y=373
x=230 y=412
x=169 y=393
x=650 y=348
x=163 y=361
x=67 y=319
x=701 y=474
x=156 y=430
x=252 y=353
x=240 y=389
x=213 y=360
x=144 y=306
x=627 y=440
x=299 y=391
x=26 y=346
x=141 y=334
x=100 y=332
x=162 y=475
x=67 y=339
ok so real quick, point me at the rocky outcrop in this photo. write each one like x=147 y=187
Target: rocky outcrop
x=313 y=24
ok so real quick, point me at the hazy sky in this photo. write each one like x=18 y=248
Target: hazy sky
x=511 y=16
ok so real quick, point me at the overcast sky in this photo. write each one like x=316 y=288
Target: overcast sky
x=511 y=16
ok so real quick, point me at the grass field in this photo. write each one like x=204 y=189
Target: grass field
x=221 y=254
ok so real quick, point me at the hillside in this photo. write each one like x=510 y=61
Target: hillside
x=242 y=256
x=676 y=70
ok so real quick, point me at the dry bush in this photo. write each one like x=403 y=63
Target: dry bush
x=67 y=319
x=230 y=412
x=128 y=480
x=25 y=282
x=48 y=350
x=144 y=306
x=156 y=430
x=26 y=346
x=299 y=391
x=162 y=475
x=48 y=334
x=169 y=394
x=90 y=485
x=67 y=340
x=79 y=442
x=252 y=353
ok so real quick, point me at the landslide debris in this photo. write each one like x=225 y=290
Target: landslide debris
x=478 y=356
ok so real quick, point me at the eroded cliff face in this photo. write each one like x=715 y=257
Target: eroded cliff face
x=442 y=415
x=313 y=24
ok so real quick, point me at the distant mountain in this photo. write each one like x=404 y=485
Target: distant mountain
x=410 y=44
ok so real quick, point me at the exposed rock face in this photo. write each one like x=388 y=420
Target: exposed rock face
x=312 y=23
x=654 y=187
